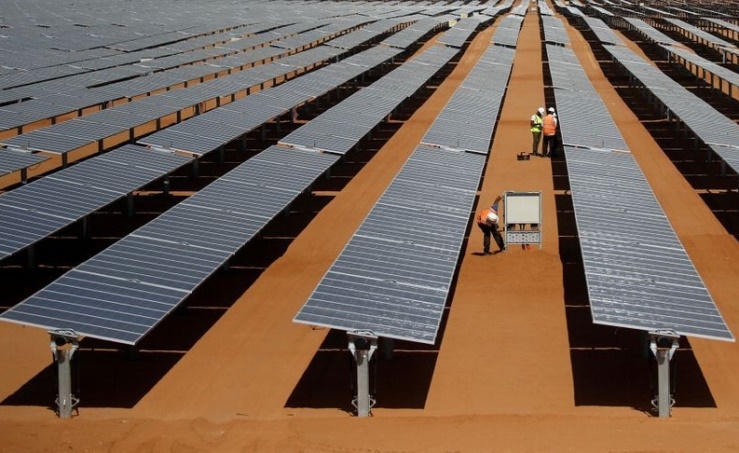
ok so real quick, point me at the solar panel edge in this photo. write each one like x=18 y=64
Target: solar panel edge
x=729 y=338
x=52 y=328
x=327 y=325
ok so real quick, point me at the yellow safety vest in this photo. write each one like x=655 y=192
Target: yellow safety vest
x=538 y=121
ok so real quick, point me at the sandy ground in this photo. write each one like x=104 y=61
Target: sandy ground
x=519 y=366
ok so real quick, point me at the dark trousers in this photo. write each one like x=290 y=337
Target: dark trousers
x=535 y=144
x=550 y=145
x=488 y=230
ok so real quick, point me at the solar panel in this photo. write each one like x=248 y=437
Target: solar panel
x=554 y=31
x=45 y=140
x=603 y=32
x=210 y=130
x=29 y=111
x=36 y=210
x=12 y=160
x=413 y=33
x=460 y=32
x=393 y=276
x=637 y=271
x=714 y=68
x=708 y=37
x=85 y=129
x=650 y=32
x=723 y=23
x=123 y=292
x=467 y=121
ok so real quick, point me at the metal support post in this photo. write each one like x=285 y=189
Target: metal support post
x=388 y=348
x=129 y=205
x=663 y=344
x=31 y=256
x=64 y=343
x=85 y=228
x=362 y=345
x=165 y=189
x=196 y=167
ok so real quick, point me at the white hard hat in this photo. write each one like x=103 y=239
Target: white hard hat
x=493 y=217
x=540 y=110
x=551 y=109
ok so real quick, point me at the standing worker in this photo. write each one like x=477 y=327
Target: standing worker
x=537 y=119
x=488 y=221
x=549 y=127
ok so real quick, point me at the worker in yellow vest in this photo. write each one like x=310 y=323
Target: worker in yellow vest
x=537 y=119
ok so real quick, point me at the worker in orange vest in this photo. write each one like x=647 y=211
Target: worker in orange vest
x=549 y=128
x=488 y=221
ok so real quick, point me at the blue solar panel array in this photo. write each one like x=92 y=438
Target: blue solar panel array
x=93 y=128
x=340 y=128
x=394 y=275
x=36 y=210
x=637 y=272
x=466 y=122
x=717 y=131
x=123 y=292
x=206 y=132
x=417 y=226
x=126 y=290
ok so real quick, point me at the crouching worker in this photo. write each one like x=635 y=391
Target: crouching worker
x=488 y=221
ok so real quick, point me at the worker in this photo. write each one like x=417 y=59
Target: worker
x=549 y=127
x=488 y=221
x=536 y=122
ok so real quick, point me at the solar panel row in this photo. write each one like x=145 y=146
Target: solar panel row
x=620 y=223
x=713 y=40
x=713 y=128
x=339 y=129
x=61 y=138
x=208 y=131
x=468 y=119
x=36 y=210
x=169 y=72
x=394 y=275
x=417 y=226
x=13 y=160
x=123 y=292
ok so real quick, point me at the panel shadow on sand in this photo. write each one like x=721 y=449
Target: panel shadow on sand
x=100 y=378
x=613 y=366
x=400 y=375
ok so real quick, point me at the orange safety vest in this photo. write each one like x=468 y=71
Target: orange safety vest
x=550 y=125
x=482 y=219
